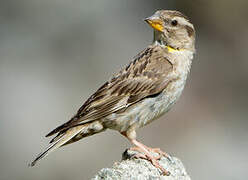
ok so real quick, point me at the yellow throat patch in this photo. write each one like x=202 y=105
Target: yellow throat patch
x=171 y=49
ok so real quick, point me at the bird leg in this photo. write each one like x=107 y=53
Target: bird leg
x=146 y=153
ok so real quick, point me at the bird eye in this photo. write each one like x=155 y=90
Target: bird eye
x=174 y=22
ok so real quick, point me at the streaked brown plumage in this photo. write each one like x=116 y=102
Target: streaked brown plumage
x=139 y=93
x=143 y=77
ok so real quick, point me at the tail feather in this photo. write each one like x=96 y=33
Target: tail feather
x=58 y=136
x=69 y=134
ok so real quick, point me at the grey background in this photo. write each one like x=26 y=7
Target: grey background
x=55 y=53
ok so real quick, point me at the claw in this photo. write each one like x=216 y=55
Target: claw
x=139 y=156
x=154 y=150
x=153 y=160
x=145 y=153
x=150 y=157
x=160 y=153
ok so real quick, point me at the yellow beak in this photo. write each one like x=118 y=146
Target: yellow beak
x=155 y=23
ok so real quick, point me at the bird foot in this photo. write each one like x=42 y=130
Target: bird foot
x=160 y=153
x=146 y=153
x=153 y=150
x=152 y=159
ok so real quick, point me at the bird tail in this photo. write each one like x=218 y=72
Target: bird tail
x=71 y=135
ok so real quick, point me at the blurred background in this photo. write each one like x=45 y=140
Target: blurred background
x=55 y=53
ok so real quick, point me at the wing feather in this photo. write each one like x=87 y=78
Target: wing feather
x=148 y=74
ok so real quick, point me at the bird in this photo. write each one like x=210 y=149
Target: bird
x=139 y=93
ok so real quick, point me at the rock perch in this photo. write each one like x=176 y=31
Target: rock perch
x=139 y=169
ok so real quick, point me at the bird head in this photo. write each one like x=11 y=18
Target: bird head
x=173 y=29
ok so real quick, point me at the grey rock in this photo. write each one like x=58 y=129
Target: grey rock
x=140 y=169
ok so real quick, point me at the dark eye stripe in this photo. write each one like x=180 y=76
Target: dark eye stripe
x=190 y=30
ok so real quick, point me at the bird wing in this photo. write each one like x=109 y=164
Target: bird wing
x=147 y=75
